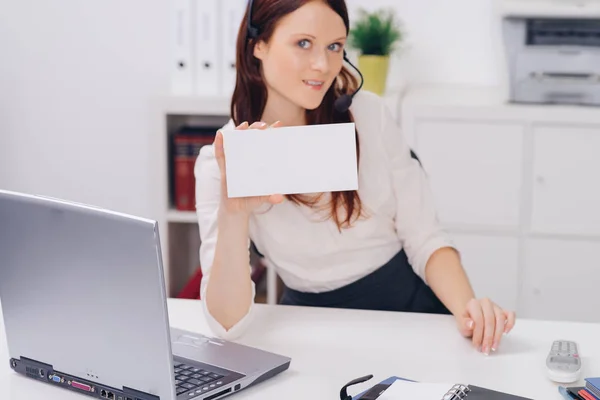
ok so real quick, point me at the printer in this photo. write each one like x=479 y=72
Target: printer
x=552 y=51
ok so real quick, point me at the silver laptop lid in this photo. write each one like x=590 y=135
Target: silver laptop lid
x=82 y=290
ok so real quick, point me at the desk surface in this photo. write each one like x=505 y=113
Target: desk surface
x=331 y=347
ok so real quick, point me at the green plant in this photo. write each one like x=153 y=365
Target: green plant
x=376 y=33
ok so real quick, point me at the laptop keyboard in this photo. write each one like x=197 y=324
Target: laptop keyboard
x=192 y=379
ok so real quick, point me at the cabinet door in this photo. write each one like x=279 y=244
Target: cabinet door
x=492 y=265
x=560 y=280
x=474 y=170
x=566 y=180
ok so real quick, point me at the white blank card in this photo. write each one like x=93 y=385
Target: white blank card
x=291 y=160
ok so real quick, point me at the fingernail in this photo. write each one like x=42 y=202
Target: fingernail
x=486 y=350
x=494 y=346
x=470 y=324
x=262 y=124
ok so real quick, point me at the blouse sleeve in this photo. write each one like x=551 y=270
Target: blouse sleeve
x=208 y=181
x=417 y=224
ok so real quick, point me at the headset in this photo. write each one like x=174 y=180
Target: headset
x=342 y=103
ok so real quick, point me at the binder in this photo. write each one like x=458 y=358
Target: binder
x=206 y=45
x=455 y=392
x=231 y=14
x=182 y=63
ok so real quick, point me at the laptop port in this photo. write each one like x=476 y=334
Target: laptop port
x=219 y=394
x=103 y=393
x=110 y=396
x=82 y=386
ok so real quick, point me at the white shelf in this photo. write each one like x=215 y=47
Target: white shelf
x=452 y=102
x=196 y=105
x=545 y=8
x=185 y=217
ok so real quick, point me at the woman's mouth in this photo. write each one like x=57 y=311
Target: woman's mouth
x=315 y=85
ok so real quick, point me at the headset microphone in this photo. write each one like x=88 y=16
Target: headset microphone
x=342 y=103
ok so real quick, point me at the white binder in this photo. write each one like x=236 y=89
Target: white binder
x=207 y=60
x=231 y=12
x=182 y=61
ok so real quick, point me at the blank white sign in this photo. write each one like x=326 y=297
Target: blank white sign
x=291 y=160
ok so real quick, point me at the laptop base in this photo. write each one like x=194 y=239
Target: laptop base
x=194 y=378
x=45 y=373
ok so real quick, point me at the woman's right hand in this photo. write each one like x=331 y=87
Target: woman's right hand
x=240 y=205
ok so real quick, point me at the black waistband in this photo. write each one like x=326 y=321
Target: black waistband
x=394 y=286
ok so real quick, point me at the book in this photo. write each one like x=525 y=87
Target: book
x=593 y=386
x=187 y=143
x=401 y=389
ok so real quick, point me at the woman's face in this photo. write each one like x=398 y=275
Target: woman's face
x=304 y=55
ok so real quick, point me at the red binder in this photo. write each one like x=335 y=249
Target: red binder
x=186 y=150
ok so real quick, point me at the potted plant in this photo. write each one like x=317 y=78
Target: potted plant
x=376 y=35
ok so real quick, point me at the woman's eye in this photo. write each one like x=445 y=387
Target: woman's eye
x=335 y=47
x=304 y=43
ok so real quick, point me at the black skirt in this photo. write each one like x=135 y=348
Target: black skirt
x=392 y=287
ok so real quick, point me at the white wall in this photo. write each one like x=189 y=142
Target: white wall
x=447 y=41
x=76 y=79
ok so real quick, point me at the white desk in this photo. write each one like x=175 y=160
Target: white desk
x=331 y=347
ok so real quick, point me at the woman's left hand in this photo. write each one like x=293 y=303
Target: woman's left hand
x=485 y=322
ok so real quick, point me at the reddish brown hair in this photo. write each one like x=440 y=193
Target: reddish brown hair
x=250 y=93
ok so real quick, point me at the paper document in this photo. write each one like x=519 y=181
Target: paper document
x=405 y=390
x=291 y=160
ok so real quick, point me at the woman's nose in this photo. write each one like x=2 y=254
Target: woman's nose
x=320 y=61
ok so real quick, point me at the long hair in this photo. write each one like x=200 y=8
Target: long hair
x=250 y=93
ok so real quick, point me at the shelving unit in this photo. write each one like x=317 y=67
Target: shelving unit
x=193 y=105
x=181 y=217
x=179 y=232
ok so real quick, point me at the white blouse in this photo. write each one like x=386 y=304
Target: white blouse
x=308 y=252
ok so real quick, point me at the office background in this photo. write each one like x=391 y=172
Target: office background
x=77 y=80
x=81 y=84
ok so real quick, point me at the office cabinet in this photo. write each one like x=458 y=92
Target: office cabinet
x=566 y=180
x=560 y=280
x=491 y=262
x=474 y=170
x=518 y=187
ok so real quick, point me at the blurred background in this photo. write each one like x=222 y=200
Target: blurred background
x=108 y=102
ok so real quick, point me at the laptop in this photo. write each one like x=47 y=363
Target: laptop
x=84 y=302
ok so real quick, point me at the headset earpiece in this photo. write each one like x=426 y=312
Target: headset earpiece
x=252 y=30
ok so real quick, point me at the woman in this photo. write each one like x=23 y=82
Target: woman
x=376 y=248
